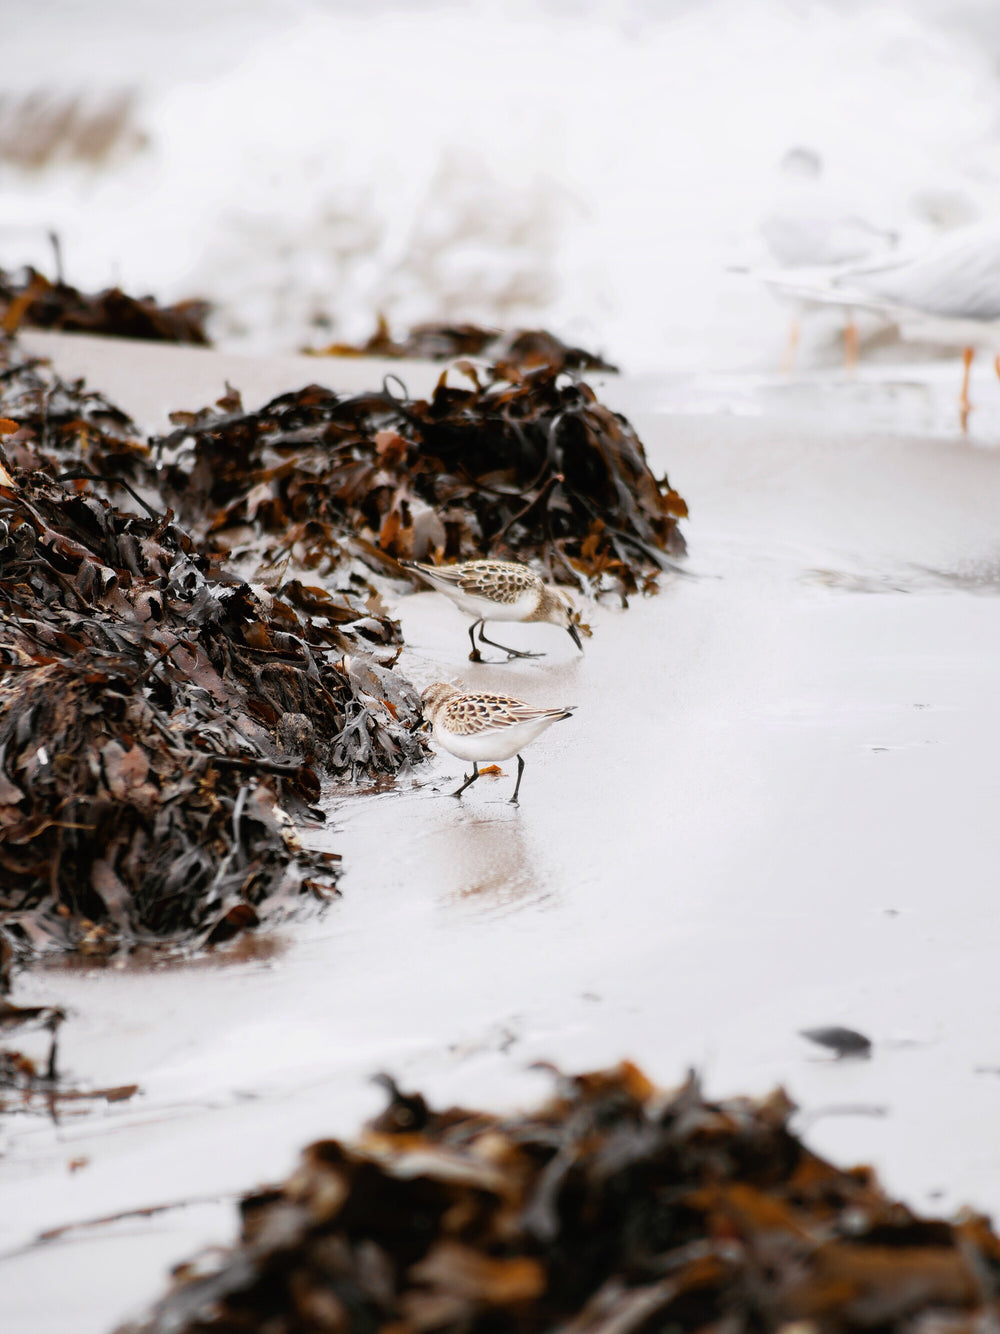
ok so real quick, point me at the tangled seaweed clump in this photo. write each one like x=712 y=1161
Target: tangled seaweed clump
x=161 y=720
x=612 y=1208
x=117 y=832
x=521 y=465
x=526 y=348
x=28 y=298
x=66 y=421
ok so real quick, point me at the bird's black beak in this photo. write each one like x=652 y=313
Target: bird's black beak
x=574 y=634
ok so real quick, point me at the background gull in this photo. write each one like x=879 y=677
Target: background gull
x=947 y=293
x=809 y=225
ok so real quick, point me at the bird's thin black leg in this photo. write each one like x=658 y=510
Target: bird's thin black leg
x=517 y=785
x=511 y=652
x=470 y=780
x=475 y=655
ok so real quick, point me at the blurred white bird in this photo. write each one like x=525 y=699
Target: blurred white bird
x=811 y=226
x=947 y=293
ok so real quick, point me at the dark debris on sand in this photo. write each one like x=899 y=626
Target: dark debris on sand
x=527 y=349
x=613 y=1208
x=30 y=300
x=28 y=1083
x=161 y=721
x=841 y=1041
x=515 y=465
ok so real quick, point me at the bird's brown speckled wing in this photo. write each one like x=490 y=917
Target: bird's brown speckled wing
x=469 y=715
x=500 y=581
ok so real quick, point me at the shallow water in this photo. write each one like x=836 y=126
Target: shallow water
x=773 y=809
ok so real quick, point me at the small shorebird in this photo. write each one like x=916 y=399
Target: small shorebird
x=484 y=727
x=500 y=590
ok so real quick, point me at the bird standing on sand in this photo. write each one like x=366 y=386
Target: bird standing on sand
x=500 y=590
x=484 y=728
x=811 y=225
x=947 y=293
x=950 y=292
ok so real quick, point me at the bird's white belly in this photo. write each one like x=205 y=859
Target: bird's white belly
x=953 y=332
x=484 y=609
x=486 y=747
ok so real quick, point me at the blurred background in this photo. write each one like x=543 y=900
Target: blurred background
x=598 y=168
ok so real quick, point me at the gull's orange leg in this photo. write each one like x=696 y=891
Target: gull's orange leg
x=851 y=342
x=792 y=346
x=964 y=406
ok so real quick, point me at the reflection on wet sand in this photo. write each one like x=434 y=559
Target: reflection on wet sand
x=981 y=577
x=249 y=947
x=483 y=863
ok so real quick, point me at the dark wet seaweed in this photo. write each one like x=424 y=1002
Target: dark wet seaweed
x=29 y=299
x=515 y=465
x=161 y=720
x=612 y=1208
x=525 y=348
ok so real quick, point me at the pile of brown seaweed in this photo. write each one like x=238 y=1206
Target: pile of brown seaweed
x=526 y=348
x=159 y=718
x=613 y=1208
x=28 y=298
x=77 y=425
x=523 y=465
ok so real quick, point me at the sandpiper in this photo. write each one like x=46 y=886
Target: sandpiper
x=484 y=727
x=500 y=590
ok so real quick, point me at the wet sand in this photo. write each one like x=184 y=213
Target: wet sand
x=774 y=808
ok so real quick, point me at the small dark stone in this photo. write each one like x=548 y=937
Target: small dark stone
x=842 y=1041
